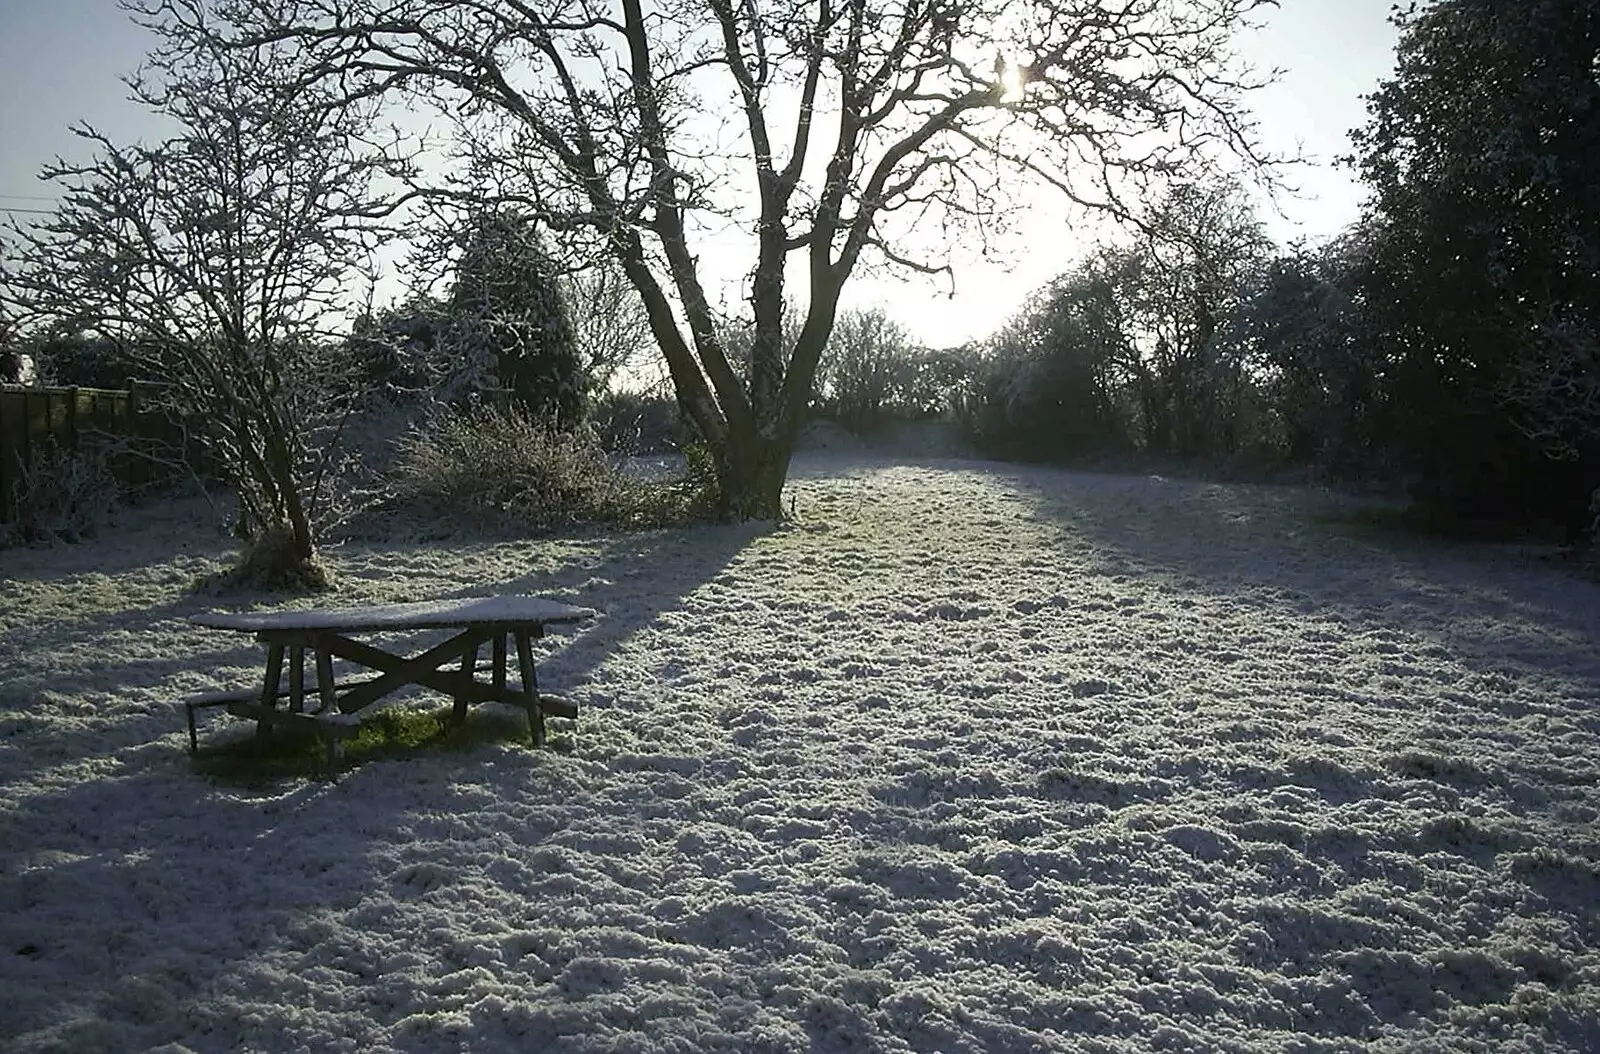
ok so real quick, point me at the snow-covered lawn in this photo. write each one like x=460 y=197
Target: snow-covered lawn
x=974 y=758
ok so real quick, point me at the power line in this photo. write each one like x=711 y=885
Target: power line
x=26 y=197
x=22 y=212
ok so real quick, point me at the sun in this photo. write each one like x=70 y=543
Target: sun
x=1013 y=81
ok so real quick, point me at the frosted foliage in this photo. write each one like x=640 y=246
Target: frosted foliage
x=972 y=758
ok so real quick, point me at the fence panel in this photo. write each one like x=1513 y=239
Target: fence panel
x=126 y=422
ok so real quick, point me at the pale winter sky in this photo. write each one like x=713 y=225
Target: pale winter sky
x=60 y=62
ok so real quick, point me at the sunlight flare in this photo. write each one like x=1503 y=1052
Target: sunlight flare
x=1013 y=79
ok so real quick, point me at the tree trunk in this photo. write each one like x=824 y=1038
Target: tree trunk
x=751 y=472
x=305 y=550
x=281 y=482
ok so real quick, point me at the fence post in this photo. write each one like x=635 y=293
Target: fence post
x=139 y=470
x=72 y=419
x=7 y=453
x=27 y=424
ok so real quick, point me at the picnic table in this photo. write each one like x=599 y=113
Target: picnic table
x=451 y=667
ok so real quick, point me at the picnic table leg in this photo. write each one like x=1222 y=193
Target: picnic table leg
x=327 y=701
x=297 y=678
x=499 y=672
x=469 y=666
x=530 y=687
x=269 y=689
x=325 y=687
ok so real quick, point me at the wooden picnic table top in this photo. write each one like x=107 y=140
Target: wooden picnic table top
x=509 y=611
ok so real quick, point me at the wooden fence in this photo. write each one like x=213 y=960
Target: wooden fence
x=126 y=425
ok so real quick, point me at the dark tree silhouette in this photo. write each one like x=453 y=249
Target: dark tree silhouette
x=507 y=312
x=1485 y=260
x=827 y=133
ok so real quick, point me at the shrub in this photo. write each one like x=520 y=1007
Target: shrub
x=500 y=470
x=634 y=422
x=1042 y=402
x=270 y=562
x=68 y=359
x=60 y=494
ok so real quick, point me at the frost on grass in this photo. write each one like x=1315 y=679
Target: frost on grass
x=968 y=758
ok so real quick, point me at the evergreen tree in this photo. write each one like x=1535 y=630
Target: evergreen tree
x=509 y=317
x=1485 y=261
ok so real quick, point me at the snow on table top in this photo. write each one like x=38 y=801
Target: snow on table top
x=426 y=614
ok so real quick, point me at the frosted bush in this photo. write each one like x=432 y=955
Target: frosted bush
x=502 y=470
x=60 y=494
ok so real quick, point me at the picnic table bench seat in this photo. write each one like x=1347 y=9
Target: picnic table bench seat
x=246 y=703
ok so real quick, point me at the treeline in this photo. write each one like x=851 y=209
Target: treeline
x=511 y=320
x=1447 y=341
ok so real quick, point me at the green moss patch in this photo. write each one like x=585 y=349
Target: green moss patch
x=397 y=733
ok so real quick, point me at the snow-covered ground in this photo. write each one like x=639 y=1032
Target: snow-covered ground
x=973 y=758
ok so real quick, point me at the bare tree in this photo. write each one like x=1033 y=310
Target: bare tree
x=13 y=366
x=1189 y=271
x=609 y=323
x=866 y=357
x=218 y=259
x=857 y=131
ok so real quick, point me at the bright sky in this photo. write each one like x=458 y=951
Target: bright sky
x=60 y=61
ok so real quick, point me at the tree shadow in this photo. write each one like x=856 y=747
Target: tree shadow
x=154 y=890
x=629 y=579
x=187 y=527
x=1494 y=603
x=127 y=879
